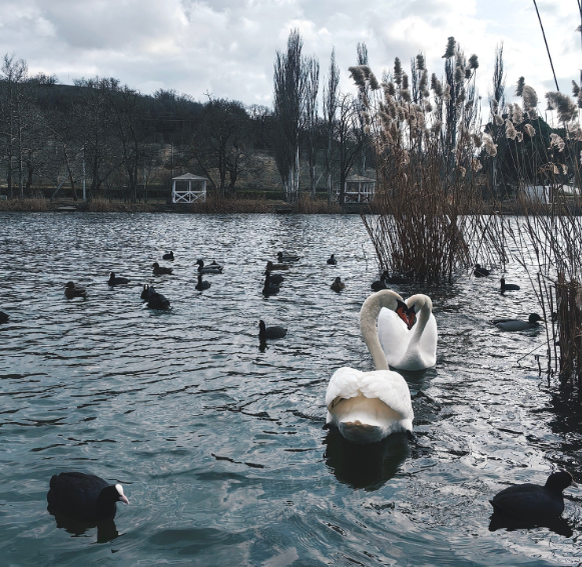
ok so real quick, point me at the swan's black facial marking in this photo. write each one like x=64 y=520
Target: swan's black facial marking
x=410 y=316
x=402 y=312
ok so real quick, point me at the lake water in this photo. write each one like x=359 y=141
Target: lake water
x=220 y=445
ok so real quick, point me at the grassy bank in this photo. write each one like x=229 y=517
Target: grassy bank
x=212 y=205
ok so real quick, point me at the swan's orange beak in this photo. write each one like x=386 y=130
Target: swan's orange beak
x=402 y=312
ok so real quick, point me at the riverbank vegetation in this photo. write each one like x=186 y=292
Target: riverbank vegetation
x=439 y=171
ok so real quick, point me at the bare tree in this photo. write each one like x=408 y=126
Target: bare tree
x=311 y=119
x=289 y=88
x=15 y=100
x=330 y=105
x=349 y=139
x=221 y=143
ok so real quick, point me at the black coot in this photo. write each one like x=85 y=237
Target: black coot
x=84 y=496
x=533 y=501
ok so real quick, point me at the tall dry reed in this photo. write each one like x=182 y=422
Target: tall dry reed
x=430 y=224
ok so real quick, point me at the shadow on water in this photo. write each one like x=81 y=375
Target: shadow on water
x=365 y=466
x=106 y=529
x=558 y=525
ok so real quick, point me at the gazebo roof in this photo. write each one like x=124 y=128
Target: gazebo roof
x=190 y=177
x=360 y=179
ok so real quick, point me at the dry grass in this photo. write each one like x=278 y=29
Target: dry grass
x=100 y=205
x=25 y=205
x=307 y=205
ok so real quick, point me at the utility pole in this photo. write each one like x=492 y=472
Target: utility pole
x=84 y=192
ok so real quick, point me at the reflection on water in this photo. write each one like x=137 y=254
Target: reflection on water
x=221 y=441
x=558 y=525
x=365 y=466
x=106 y=529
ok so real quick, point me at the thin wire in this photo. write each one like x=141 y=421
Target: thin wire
x=580 y=9
x=547 y=48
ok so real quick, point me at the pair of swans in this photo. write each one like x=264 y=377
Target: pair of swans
x=368 y=406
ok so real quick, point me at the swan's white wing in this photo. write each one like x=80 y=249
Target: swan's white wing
x=394 y=336
x=391 y=388
x=344 y=383
x=385 y=385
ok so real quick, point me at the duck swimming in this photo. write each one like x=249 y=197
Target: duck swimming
x=159 y=270
x=518 y=324
x=337 y=285
x=377 y=285
x=275 y=278
x=480 y=272
x=272 y=332
x=168 y=256
x=508 y=287
x=4 y=317
x=284 y=258
x=114 y=280
x=202 y=284
x=72 y=290
x=156 y=300
x=210 y=269
x=270 y=288
x=331 y=260
x=271 y=266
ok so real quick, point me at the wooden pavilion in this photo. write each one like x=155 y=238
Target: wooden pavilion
x=359 y=189
x=195 y=189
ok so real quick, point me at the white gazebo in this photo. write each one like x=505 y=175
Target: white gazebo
x=359 y=189
x=195 y=191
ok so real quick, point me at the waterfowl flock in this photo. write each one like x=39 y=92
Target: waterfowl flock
x=364 y=406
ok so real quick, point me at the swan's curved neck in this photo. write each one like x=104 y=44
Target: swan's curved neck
x=424 y=313
x=368 y=317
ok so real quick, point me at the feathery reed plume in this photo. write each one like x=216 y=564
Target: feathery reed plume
x=530 y=99
x=557 y=142
x=519 y=87
x=428 y=202
x=566 y=108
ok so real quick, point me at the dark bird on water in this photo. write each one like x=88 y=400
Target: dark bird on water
x=113 y=280
x=159 y=270
x=508 y=286
x=213 y=268
x=202 y=284
x=531 y=501
x=271 y=266
x=144 y=292
x=272 y=332
x=274 y=278
x=155 y=300
x=337 y=284
x=331 y=260
x=84 y=496
x=168 y=256
x=386 y=278
x=270 y=288
x=72 y=290
x=4 y=317
x=480 y=272
x=518 y=324
x=284 y=258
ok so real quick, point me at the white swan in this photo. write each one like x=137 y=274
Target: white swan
x=412 y=346
x=368 y=406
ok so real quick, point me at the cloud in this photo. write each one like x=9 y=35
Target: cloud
x=227 y=47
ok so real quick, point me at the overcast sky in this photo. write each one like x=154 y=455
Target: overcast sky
x=227 y=47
